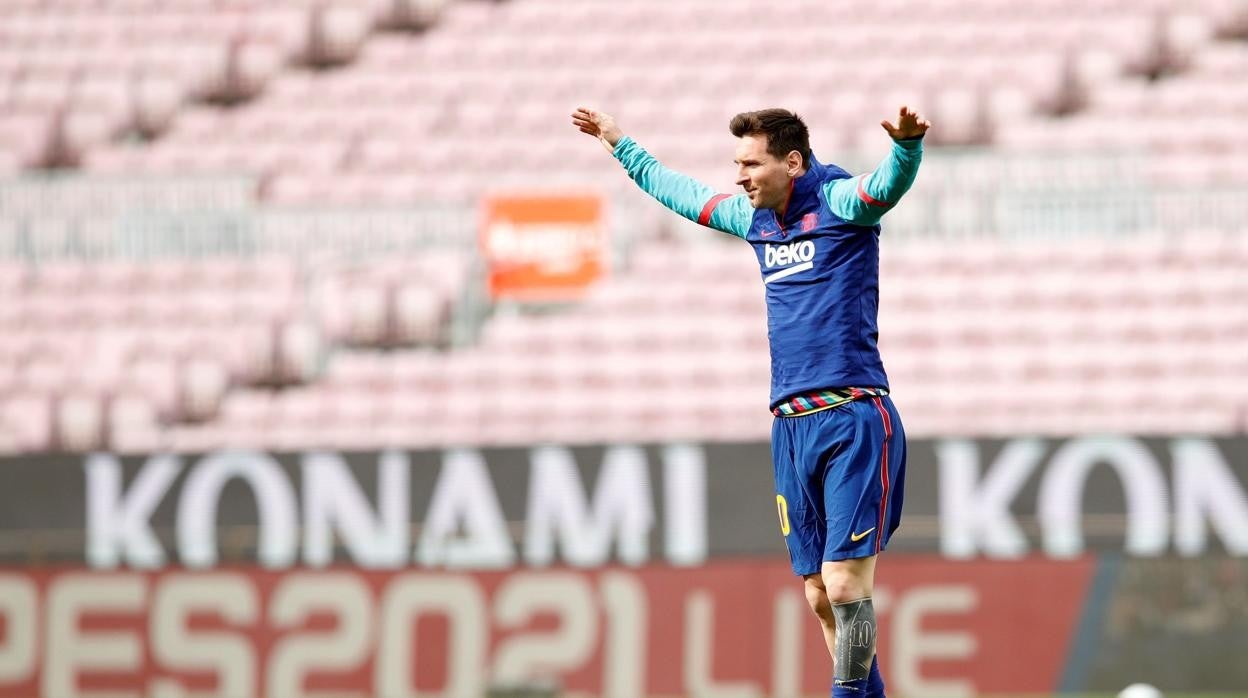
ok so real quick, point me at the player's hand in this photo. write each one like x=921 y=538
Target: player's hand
x=599 y=125
x=909 y=125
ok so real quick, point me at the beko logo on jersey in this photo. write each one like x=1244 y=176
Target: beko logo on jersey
x=800 y=254
x=784 y=255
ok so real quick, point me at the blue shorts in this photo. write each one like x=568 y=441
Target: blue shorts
x=839 y=480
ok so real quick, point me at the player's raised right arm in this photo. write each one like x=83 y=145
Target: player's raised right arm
x=866 y=198
x=680 y=193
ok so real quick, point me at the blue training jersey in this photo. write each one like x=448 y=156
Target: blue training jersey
x=819 y=263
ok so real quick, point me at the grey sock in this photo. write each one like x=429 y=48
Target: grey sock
x=855 y=639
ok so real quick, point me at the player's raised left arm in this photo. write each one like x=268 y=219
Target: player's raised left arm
x=866 y=198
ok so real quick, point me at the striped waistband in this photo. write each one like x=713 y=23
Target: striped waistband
x=822 y=400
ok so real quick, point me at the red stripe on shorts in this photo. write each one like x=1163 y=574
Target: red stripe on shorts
x=704 y=218
x=888 y=433
x=888 y=421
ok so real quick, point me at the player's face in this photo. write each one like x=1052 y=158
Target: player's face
x=764 y=177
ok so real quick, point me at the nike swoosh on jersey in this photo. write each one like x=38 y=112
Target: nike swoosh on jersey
x=855 y=537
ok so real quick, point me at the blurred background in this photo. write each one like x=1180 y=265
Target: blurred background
x=335 y=362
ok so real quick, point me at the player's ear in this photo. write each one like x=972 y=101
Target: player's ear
x=793 y=163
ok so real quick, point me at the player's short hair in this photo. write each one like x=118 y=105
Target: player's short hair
x=785 y=131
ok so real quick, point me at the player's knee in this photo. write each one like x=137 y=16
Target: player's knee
x=843 y=585
x=817 y=598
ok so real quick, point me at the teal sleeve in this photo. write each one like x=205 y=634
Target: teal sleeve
x=866 y=198
x=683 y=194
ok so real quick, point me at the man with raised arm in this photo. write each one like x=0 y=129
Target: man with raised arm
x=838 y=448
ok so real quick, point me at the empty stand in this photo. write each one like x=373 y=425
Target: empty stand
x=1182 y=121
x=1148 y=335
x=479 y=99
x=213 y=286
x=77 y=75
x=118 y=353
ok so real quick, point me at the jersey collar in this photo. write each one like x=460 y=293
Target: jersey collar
x=803 y=195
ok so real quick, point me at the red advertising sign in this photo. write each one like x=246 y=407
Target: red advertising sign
x=544 y=248
x=741 y=626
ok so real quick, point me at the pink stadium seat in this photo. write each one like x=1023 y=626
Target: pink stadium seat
x=25 y=422
x=299 y=352
x=133 y=426
x=205 y=382
x=80 y=422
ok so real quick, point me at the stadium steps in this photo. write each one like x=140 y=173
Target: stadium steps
x=77 y=76
x=480 y=99
x=1181 y=120
x=1146 y=335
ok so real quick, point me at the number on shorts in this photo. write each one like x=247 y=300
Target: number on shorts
x=782 y=508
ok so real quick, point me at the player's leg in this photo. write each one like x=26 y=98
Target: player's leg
x=817 y=598
x=828 y=483
x=862 y=491
x=838 y=583
x=799 y=503
x=849 y=584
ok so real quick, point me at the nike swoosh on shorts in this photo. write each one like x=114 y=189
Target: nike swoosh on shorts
x=855 y=537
